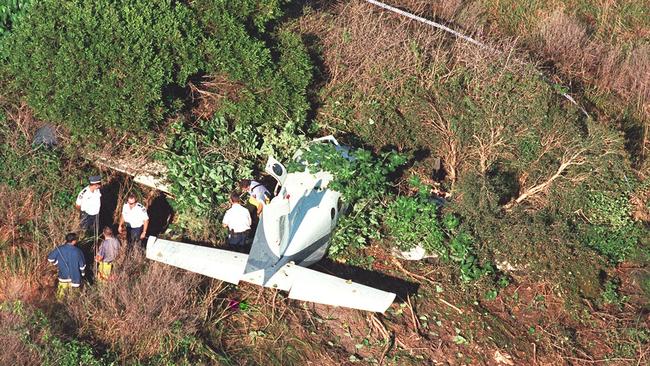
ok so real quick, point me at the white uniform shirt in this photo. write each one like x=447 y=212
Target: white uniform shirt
x=89 y=201
x=135 y=216
x=237 y=218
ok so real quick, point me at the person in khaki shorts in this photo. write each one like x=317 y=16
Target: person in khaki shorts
x=108 y=252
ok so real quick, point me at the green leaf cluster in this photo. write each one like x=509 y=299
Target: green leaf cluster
x=611 y=230
x=358 y=174
x=10 y=11
x=101 y=64
x=205 y=162
x=414 y=220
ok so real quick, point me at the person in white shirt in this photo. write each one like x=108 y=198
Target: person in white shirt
x=135 y=216
x=259 y=196
x=238 y=221
x=89 y=203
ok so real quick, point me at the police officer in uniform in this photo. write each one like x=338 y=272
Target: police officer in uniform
x=238 y=221
x=88 y=203
x=70 y=261
x=135 y=216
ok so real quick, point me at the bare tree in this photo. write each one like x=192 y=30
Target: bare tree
x=450 y=149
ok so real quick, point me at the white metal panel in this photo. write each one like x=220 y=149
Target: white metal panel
x=281 y=279
x=313 y=286
x=212 y=262
x=275 y=169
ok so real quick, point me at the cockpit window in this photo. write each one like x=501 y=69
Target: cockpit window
x=277 y=169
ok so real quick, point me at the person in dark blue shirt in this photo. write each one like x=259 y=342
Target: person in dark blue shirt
x=70 y=261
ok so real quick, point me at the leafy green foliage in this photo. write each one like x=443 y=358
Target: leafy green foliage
x=10 y=10
x=412 y=220
x=205 y=162
x=125 y=64
x=611 y=231
x=611 y=293
x=275 y=77
x=461 y=251
x=358 y=175
x=103 y=63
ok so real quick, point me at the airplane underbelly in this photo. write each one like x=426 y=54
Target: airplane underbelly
x=315 y=226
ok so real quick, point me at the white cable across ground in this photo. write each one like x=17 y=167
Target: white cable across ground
x=465 y=38
x=430 y=23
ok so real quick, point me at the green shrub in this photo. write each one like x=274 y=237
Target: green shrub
x=611 y=230
x=413 y=220
x=125 y=64
x=10 y=11
x=103 y=63
x=611 y=293
x=204 y=163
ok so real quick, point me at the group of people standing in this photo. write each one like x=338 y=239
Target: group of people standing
x=134 y=220
x=70 y=260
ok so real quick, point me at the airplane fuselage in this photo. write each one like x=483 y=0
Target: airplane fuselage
x=295 y=226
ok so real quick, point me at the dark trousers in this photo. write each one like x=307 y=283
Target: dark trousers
x=88 y=222
x=133 y=235
x=238 y=239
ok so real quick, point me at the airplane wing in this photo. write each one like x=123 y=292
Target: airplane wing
x=302 y=283
x=314 y=286
x=221 y=264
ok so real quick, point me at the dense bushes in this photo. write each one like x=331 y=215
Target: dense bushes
x=611 y=230
x=95 y=64
x=9 y=12
x=412 y=221
x=125 y=64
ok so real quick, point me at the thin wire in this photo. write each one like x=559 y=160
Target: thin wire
x=432 y=24
x=470 y=40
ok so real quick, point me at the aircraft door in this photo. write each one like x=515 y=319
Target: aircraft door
x=275 y=169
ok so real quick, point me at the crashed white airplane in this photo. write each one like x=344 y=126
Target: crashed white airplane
x=293 y=233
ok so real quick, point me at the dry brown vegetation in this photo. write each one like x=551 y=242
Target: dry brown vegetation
x=567 y=43
x=209 y=92
x=143 y=311
x=15 y=351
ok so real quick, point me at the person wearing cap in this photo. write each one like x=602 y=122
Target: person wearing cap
x=108 y=251
x=135 y=216
x=71 y=264
x=259 y=196
x=238 y=221
x=89 y=202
